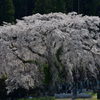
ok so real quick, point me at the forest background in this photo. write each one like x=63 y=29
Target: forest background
x=10 y=10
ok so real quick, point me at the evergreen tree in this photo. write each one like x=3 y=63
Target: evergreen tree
x=85 y=7
x=47 y=6
x=30 y=6
x=50 y=6
x=6 y=11
x=61 y=6
x=39 y=6
x=20 y=8
x=98 y=9
x=23 y=8
x=69 y=5
x=94 y=6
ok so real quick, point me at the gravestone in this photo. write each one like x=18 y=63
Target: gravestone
x=63 y=88
x=19 y=96
x=74 y=93
x=98 y=93
x=66 y=88
x=87 y=85
x=69 y=90
x=81 y=86
x=70 y=95
x=83 y=90
x=98 y=86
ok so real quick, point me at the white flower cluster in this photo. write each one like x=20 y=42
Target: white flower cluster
x=63 y=42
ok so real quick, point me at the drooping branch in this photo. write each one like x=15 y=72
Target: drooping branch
x=21 y=59
x=41 y=55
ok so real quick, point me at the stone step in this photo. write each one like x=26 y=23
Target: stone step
x=81 y=95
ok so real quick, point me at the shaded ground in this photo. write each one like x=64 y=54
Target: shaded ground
x=52 y=98
x=93 y=98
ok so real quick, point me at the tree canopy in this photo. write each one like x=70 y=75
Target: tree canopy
x=50 y=49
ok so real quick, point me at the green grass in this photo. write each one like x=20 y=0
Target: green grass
x=92 y=93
